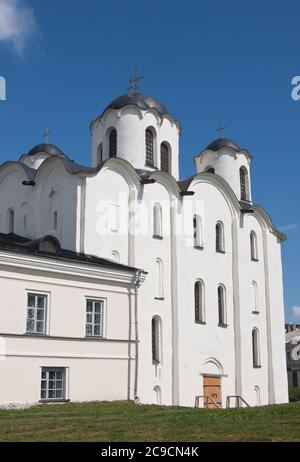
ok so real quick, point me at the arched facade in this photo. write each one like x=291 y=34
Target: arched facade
x=226 y=159
x=71 y=201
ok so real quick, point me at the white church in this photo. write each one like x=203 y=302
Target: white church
x=122 y=281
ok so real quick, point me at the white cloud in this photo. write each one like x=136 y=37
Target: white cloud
x=17 y=24
x=290 y=227
x=296 y=311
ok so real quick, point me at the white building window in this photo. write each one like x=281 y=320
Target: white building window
x=11 y=221
x=159 y=280
x=198 y=232
x=53 y=384
x=100 y=154
x=165 y=158
x=156 y=340
x=149 y=141
x=222 y=314
x=55 y=220
x=157 y=221
x=254 y=297
x=244 y=184
x=199 y=302
x=253 y=246
x=36 y=314
x=112 y=142
x=220 y=240
x=255 y=348
x=94 y=318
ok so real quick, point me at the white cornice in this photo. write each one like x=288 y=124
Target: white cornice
x=66 y=268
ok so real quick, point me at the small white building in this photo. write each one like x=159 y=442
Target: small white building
x=59 y=339
x=208 y=318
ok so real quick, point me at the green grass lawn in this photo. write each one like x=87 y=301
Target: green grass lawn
x=124 y=421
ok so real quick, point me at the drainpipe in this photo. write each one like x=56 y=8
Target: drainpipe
x=137 y=284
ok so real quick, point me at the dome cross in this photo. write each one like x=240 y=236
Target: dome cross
x=134 y=82
x=221 y=129
x=46 y=135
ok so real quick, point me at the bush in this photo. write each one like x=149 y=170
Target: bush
x=294 y=394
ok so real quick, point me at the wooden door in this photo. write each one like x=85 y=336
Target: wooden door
x=212 y=387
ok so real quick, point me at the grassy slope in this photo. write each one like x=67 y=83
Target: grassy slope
x=126 y=422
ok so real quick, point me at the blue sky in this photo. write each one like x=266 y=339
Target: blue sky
x=206 y=60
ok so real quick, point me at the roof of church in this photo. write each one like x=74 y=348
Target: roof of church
x=17 y=243
x=138 y=99
x=47 y=148
x=74 y=168
x=223 y=143
x=54 y=151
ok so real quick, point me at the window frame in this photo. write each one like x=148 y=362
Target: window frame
x=149 y=148
x=47 y=370
x=112 y=143
x=156 y=340
x=95 y=300
x=99 y=159
x=46 y=297
x=199 y=311
x=244 y=184
x=165 y=145
x=256 y=358
x=222 y=308
x=220 y=237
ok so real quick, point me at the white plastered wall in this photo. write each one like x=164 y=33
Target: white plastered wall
x=131 y=124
